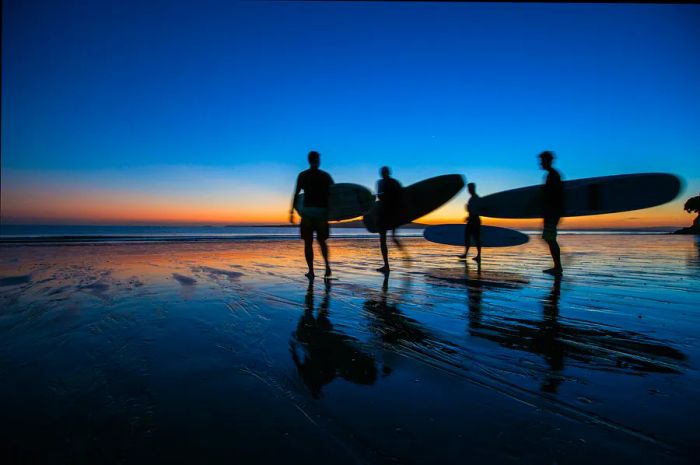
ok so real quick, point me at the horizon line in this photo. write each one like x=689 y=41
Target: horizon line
x=296 y=224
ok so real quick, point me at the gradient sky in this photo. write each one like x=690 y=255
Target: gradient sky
x=189 y=111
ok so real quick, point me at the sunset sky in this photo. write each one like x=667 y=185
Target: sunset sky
x=170 y=111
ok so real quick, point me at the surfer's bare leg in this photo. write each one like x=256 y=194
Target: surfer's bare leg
x=477 y=239
x=324 y=252
x=309 y=254
x=385 y=252
x=550 y=236
x=399 y=245
x=466 y=243
x=396 y=239
x=555 y=251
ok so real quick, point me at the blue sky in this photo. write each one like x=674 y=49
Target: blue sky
x=130 y=95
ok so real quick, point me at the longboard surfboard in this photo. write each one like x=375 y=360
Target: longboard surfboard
x=491 y=236
x=418 y=200
x=345 y=201
x=587 y=196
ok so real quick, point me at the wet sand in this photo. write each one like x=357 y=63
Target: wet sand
x=225 y=353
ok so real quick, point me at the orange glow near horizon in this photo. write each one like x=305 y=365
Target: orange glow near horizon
x=104 y=207
x=116 y=208
x=671 y=214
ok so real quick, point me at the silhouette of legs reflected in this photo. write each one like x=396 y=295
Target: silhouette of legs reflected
x=385 y=289
x=474 y=296
x=549 y=338
x=321 y=353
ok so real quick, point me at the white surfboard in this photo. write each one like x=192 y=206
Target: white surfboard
x=345 y=201
x=587 y=196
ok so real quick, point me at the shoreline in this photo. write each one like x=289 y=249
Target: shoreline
x=140 y=239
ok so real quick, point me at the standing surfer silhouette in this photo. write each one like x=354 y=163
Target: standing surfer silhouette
x=315 y=183
x=473 y=227
x=552 y=209
x=389 y=195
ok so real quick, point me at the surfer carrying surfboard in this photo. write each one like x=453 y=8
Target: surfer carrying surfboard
x=473 y=227
x=552 y=209
x=389 y=195
x=315 y=183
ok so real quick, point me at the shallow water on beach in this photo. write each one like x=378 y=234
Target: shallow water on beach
x=225 y=352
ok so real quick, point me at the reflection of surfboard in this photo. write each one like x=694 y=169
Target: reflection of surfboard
x=587 y=196
x=345 y=201
x=476 y=281
x=491 y=236
x=418 y=200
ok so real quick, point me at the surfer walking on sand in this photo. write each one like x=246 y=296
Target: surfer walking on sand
x=316 y=184
x=389 y=195
x=552 y=209
x=473 y=227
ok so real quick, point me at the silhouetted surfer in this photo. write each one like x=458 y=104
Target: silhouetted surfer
x=315 y=183
x=473 y=227
x=552 y=209
x=389 y=195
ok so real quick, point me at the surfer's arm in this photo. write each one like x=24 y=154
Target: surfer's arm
x=297 y=189
x=380 y=189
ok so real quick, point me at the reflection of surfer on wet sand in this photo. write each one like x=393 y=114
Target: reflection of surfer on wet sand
x=543 y=340
x=552 y=347
x=389 y=323
x=598 y=346
x=327 y=353
x=475 y=293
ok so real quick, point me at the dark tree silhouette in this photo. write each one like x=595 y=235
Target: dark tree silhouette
x=692 y=205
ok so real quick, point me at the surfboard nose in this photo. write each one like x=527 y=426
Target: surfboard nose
x=676 y=184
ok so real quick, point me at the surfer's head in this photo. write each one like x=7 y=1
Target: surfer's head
x=385 y=172
x=314 y=159
x=546 y=159
x=471 y=187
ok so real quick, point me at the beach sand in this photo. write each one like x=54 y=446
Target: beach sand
x=223 y=352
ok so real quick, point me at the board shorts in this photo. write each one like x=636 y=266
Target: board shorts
x=388 y=218
x=318 y=223
x=472 y=229
x=473 y=226
x=549 y=232
x=386 y=224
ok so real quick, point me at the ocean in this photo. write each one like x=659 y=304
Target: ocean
x=165 y=233
x=97 y=233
